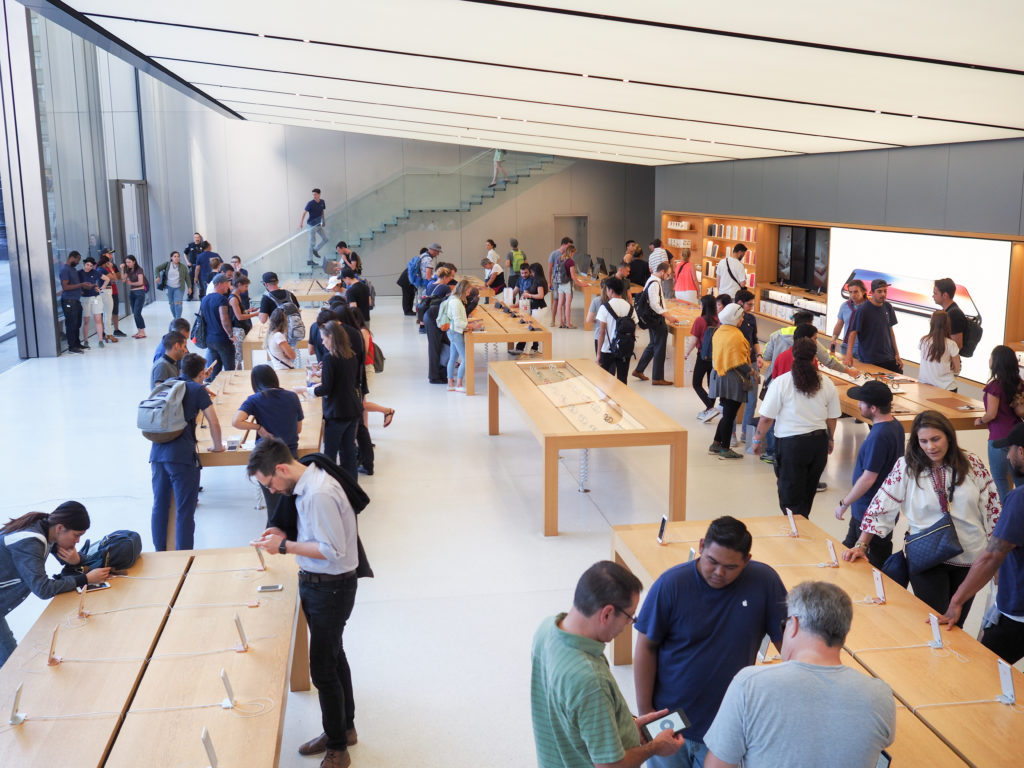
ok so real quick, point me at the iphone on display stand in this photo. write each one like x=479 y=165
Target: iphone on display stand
x=661 y=529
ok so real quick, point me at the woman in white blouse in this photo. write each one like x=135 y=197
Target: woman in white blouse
x=934 y=478
x=280 y=353
x=940 y=356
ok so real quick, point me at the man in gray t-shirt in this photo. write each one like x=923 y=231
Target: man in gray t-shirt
x=809 y=710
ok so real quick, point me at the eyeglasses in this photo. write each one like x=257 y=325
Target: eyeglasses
x=632 y=619
x=785 y=621
x=266 y=485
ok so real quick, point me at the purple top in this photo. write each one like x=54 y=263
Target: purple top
x=1005 y=419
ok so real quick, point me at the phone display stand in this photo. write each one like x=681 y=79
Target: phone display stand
x=211 y=754
x=17 y=718
x=230 y=701
x=1008 y=696
x=52 y=659
x=244 y=645
x=82 y=613
x=936 y=641
x=792 y=524
x=263 y=563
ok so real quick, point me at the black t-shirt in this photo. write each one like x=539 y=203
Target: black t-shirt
x=267 y=304
x=957 y=320
x=360 y=295
x=639 y=271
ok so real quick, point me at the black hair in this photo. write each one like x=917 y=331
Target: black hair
x=180 y=325
x=89 y=260
x=806 y=378
x=171 y=339
x=917 y=460
x=263 y=377
x=192 y=365
x=71 y=514
x=1006 y=371
x=325 y=316
x=566 y=241
x=605 y=583
x=614 y=284
x=728 y=532
x=805 y=331
x=802 y=317
x=742 y=296
x=946 y=285
x=493 y=244
x=724 y=299
x=268 y=454
x=74 y=254
x=708 y=310
x=656 y=242
x=739 y=248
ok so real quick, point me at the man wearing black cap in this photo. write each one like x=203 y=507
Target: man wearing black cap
x=872 y=325
x=267 y=303
x=884 y=445
x=358 y=294
x=1002 y=633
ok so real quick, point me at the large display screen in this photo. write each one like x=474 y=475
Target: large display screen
x=912 y=263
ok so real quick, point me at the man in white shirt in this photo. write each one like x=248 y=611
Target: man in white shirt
x=657 y=329
x=811 y=709
x=608 y=328
x=326 y=551
x=659 y=255
x=730 y=271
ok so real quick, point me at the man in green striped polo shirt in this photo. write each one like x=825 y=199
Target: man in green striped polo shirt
x=580 y=719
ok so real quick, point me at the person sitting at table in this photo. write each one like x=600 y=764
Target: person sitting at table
x=494 y=275
x=935 y=479
x=280 y=353
x=24 y=544
x=940 y=356
x=1003 y=386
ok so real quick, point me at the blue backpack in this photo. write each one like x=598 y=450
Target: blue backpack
x=414 y=272
x=705 y=343
x=118 y=550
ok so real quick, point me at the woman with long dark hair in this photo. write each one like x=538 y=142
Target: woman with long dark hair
x=341 y=389
x=804 y=407
x=940 y=356
x=280 y=353
x=936 y=478
x=1003 y=386
x=24 y=544
x=701 y=368
x=136 y=280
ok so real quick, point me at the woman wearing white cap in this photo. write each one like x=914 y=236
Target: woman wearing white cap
x=731 y=376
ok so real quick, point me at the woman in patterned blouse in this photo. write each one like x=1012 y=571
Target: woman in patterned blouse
x=934 y=478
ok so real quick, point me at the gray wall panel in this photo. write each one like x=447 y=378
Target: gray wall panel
x=916 y=187
x=718 y=186
x=984 y=188
x=817 y=179
x=747 y=186
x=780 y=183
x=860 y=193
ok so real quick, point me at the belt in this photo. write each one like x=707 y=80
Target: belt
x=317 y=578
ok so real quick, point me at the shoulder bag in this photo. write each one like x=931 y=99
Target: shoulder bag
x=938 y=542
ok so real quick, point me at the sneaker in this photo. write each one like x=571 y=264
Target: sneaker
x=718 y=410
x=460 y=389
x=77 y=351
x=119 y=333
x=701 y=415
x=708 y=415
x=85 y=345
x=821 y=487
x=729 y=454
x=714 y=449
x=734 y=442
x=767 y=458
x=515 y=352
x=101 y=344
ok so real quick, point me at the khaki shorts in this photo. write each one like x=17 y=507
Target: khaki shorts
x=91 y=305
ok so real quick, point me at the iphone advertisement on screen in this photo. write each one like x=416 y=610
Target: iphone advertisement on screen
x=911 y=264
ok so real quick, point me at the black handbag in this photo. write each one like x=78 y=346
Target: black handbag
x=935 y=544
x=895 y=567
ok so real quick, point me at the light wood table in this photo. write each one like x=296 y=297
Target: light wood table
x=625 y=419
x=309 y=291
x=196 y=643
x=476 y=282
x=887 y=640
x=680 y=316
x=591 y=288
x=254 y=339
x=912 y=398
x=502 y=327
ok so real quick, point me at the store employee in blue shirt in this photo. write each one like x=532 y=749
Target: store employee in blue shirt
x=701 y=623
x=1005 y=556
x=871 y=331
x=71 y=301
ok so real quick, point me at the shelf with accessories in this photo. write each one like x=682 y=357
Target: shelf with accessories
x=780 y=302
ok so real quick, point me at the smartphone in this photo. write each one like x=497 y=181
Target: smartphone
x=911 y=294
x=270 y=588
x=884 y=760
x=661 y=529
x=94 y=587
x=674 y=721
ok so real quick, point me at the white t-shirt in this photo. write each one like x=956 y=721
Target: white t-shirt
x=278 y=360
x=493 y=255
x=938 y=373
x=495 y=269
x=173 y=276
x=794 y=412
x=730 y=283
x=621 y=308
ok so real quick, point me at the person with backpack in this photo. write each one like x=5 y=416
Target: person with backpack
x=707 y=321
x=943 y=294
x=616 y=331
x=24 y=544
x=341 y=387
x=174 y=465
x=280 y=353
x=514 y=258
x=273 y=296
x=650 y=308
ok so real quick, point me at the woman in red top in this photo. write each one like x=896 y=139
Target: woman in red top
x=686 y=279
x=708 y=319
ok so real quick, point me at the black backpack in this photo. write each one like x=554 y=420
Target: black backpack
x=199 y=331
x=972 y=336
x=118 y=550
x=705 y=343
x=646 y=316
x=621 y=345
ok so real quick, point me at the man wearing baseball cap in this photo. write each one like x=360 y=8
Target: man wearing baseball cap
x=1002 y=632
x=872 y=325
x=878 y=453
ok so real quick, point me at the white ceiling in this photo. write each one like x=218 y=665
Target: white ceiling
x=650 y=82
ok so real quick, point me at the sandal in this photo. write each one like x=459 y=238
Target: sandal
x=388 y=416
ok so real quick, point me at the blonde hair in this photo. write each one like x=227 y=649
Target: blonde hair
x=442 y=272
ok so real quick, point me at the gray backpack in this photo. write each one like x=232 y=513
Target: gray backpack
x=162 y=415
x=296 y=328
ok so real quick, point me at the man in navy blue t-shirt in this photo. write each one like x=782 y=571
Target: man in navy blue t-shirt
x=872 y=327
x=701 y=623
x=216 y=314
x=885 y=443
x=202 y=270
x=315 y=210
x=71 y=301
x=1003 y=634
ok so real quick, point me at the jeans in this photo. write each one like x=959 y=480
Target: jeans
x=458 y=342
x=72 y=322
x=340 y=437
x=748 y=412
x=181 y=480
x=616 y=366
x=655 y=350
x=7 y=641
x=174 y=298
x=935 y=586
x=1002 y=473
x=223 y=350
x=327 y=606
x=138 y=299
x=799 y=462
x=701 y=369
x=692 y=755
x=315 y=230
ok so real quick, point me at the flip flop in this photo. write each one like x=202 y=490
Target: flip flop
x=389 y=416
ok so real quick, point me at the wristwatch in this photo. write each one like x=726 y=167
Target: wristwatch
x=283 y=549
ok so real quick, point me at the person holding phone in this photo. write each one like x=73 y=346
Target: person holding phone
x=24 y=544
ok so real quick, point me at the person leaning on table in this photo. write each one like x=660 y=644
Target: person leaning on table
x=24 y=544
x=935 y=475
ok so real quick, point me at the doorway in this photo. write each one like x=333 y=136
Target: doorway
x=576 y=228
x=130 y=214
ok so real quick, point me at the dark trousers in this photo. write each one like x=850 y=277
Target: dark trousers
x=879 y=549
x=138 y=299
x=365 y=445
x=937 y=585
x=617 y=366
x=340 y=437
x=204 y=280
x=799 y=462
x=890 y=365
x=436 y=339
x=408 y=298
x=327 y=606
x=655 y=350
x=701 y=369
x=1005 y=639
x=723 y=434
x=178 y=483
x=222 y=350
x=72 y=309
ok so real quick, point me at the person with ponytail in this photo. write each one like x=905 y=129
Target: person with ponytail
x=24 y=544
x=804 y=407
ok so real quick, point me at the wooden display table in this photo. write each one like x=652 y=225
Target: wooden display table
x=502 y=327
x=476 y=282
x=680 y=316
x=591 y=288
x=887 y=640
x=254 y=339
x=309 y=291
x=912 y=398
x=575 y=404
x=74 y=709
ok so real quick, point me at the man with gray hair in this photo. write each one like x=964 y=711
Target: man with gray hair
x=809 y=710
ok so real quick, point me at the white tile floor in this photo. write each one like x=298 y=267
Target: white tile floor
x=439 y=642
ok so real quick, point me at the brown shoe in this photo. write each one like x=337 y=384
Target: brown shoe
x=639 y=375
x=336 y=758
x=661 y=383
x=314 y=746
